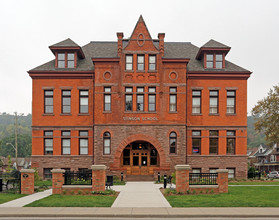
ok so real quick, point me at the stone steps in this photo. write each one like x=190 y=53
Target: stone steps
x=139 y=178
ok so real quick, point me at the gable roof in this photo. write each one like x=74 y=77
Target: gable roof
x=214 y=44
x=65 y=43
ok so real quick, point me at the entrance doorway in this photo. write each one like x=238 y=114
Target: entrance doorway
x=140 y=158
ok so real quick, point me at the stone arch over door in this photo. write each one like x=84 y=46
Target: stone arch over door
x=139 y=137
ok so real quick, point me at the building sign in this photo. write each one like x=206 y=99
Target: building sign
x=140 y=118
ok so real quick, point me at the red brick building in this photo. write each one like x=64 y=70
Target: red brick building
x=140 y=106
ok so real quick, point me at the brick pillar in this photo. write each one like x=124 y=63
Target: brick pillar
x=98 y=177
x=27 y=181
x=182 y=177
x=57 y=180
x=223 y=180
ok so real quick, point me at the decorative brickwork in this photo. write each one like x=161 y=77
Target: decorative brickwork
x=98 y=177
x=57 y=180
x=27 y=181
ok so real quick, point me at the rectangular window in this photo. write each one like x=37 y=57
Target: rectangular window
x=83 y=142
x=48 y=142
x=173 y=99
x=129 y=99
x=107 y=99
x=213 y=102
x=48 y=101
x=196 y=142
x=231 y=174
x=47 y=173
x=129 y=62
x=66 y=142
x=83 y=101
x=213 y=142
x=71 y=60
x=209 y=60
x=213 y=170
x=66 y=101
x=140 y=65
x=61 y=60
x=196 y=101
x=219 y=61
x=231 y=102
x=140 y=99
x=230 y=142
x=152 y=99
x=152 y=62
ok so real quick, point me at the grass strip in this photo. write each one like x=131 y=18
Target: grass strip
x=74 y=201
x=237 y=197
x=6 y=197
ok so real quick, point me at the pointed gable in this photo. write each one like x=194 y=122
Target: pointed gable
x=140 y=39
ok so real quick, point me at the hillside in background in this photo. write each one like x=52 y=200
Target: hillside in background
x=7 y=134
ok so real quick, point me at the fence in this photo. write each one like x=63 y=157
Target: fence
x=10 y=182
x=203 y=178
x=83 y=177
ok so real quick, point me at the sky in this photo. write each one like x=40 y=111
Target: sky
x=29 y=27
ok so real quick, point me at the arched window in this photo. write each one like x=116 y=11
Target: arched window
x=106 y=143
x=173 y=143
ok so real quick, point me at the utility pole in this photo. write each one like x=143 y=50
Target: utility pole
x=16 y=138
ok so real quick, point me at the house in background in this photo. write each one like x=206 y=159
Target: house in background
x=267 y=158
x=23 y=163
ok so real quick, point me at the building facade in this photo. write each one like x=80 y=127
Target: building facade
x=139 y=106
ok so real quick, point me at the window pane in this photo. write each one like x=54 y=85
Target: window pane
x=66 y=101
x=196 y=93
x=84 y=150
x=107 y=98
x=48 y=133
x=61 y=64
x=66 y=142
x=48 y=142
x=152 y=59
x=71 y=56
x=209 y=64
x=151 y=89
x=106 y=150
x=140 y=66
x=230 y=101
x=129 y=58
x=66 y=93
x=83 y=142
x=140 y=58
x=49 y=93
x=84 y=101
x=107 y=89
x=219 y=57
x=173 y=99
x=66 y=133
x=83 y=133
x=83 y=93
x=219 y=65
x=49 y=101
x=49 y=109
x=71 y=64
x=209 y=57
x=230 y=133
x=83 y=109
x=196 y=133
x=66 y=109
x=230 y=93
x=151 y=107
x=172 y=89
x=213 y=133
x=152 y=66
x=129 y=89
x=107 y=142
x=213 y=93
x=61 y=56
x=151 y=98
x=140 y=89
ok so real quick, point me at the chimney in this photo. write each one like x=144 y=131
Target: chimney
x=120 y=44
x=161 y=37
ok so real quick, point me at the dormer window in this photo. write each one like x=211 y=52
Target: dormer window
x=66 y=60
x=214 y=61
x=61 y=60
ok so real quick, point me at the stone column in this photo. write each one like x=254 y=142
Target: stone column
x=223 y=180
x=98 y=177
x=182 y=177
x=57 y=180
x=27 y=181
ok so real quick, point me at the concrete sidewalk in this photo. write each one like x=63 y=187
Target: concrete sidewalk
x=27 y=199
x=140 y=195
x=256 y=212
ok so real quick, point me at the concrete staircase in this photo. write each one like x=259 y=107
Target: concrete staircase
x=139 y=178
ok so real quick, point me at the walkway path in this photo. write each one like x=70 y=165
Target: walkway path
x=140 y=195
x=27 y=199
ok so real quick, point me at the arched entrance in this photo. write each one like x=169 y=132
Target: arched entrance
x=140 y=158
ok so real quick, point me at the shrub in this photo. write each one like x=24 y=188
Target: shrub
x=79 y=192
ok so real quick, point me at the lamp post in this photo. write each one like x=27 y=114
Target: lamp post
x=15 y=148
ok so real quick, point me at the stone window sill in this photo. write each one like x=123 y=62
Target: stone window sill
x=65 y=114
x=231 y=114
x=212 y=114
x=107 y=112
x=47 y=114
x=83 y=114
x=196 y=114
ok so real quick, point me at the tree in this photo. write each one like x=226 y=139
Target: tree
x=267 y=113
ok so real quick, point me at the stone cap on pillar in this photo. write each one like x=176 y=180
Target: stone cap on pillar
x=98 y=167
x=182 y=167
x=58 y=171
x=222 y=171
x=27 y=171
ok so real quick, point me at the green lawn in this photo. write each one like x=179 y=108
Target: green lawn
x=255 y=183
x=245 y=196
x=43 y=183
x=6 y=197
x=74 y=201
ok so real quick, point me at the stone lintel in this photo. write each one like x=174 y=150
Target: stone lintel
x=58 y=171
x=222 y=171
x=182 y=167
x=27 y=171
x=98 y=167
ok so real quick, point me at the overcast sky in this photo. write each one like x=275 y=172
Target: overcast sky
x=29 y=27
